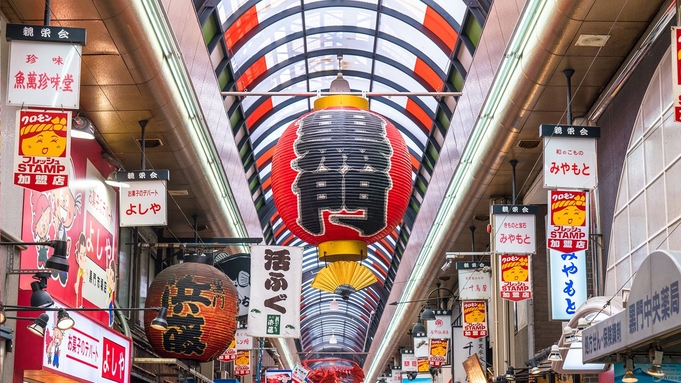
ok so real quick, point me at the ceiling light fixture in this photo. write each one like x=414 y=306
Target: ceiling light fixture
x=333 y=339
x=40 y=297
x=64 y=320
x=112 y=180
x=82 y=127
x=592 y=40
x=160 y=323
x=629 y=376
x=554 y=356
x=39 y=324
x=333 y=306
x=656 y=368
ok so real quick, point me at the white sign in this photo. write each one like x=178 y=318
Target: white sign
x=676 y=72
x=440 y=327
x=568 y=226
x=462 y=348
x=44 y=74
x=474 y=284
x=42 y=149
x=568 y=283
x=299 y=373
x=243 y=341
x=144 y=203
x=653 y=308
x=87 y=351
x=569 y=162
x=276 y=278
x=421 y=347
x=409 y=363
x=514 y=233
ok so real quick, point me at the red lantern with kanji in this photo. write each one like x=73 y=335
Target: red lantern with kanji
x=202 y=309
x=341 y=177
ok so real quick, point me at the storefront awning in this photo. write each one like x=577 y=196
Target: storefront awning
x=652 y=316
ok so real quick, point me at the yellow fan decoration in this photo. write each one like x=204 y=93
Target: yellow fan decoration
x=343 y=278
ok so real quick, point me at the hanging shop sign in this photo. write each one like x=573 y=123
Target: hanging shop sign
x=242 y=364
x=341 y=178
x=145 y=201
x=568 y=228
x=474 y=319
x=238 y=269
x=299 y=374
x=44 y=65
x=276 y=273
x=568 y=283
x=441 y=326
x=569 y=156
x=462 y=349
x=422 y=362
x=421 y=346
x=514 y=278
x=653 y=310
x=84 y=215
x=437 y=355
x=278 y=376
x=475 y=281
x=409 y=362
x=202 y=311
x=514 y=229
x=676 y=72
x=243 y=340
x=42 y=149
x=230 y=353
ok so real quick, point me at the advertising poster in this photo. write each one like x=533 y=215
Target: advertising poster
x=230 y=353
x=278 y=376
x=474 y=319
x=515 y=277
x=438 y=352
x=568 y=228
x=84 y=216
x=242 y=364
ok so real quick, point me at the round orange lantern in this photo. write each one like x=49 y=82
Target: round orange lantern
x=202 y=309
x=341 y=177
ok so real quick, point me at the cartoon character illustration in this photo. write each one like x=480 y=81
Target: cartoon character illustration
x=53 y=348
x=476 y=314
x=66 y=208
x=81 y=260
x=44 y=140
x=515 y=271
x=41 y=217
x=111 y=289
x=569 y=212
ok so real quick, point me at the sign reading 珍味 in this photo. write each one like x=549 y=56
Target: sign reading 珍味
x=44 y=65
x=568 y=228
x=42 y=152
x=514 y=277
x=276 y=278
x=568 y=283
x=474 y=319
x=569 y=156
x=514 y=229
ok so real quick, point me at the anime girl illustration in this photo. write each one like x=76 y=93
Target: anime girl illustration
x=111 y=289
x=81 y=260
x=41 y=222
x=66 y=208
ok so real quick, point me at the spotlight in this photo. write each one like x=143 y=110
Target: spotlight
x=40 y=297
x=510 y=375
x=160 y=322
x=112 y=180
x=39 y=324
x=427 y=314
x=568 y=335
x=629 y=376
x=82 y=127
x=3 y=318
x=64 y=320
x=58 y=259
x=554 y=356
x=534 y=369
x=656 y=368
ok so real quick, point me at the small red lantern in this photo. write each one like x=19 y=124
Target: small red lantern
x=202 y=309
x=341 y=177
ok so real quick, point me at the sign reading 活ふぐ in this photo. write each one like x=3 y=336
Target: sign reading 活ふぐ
x=42 y=149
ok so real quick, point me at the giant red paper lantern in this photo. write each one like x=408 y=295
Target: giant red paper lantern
x=341 y=177
x=202 y=309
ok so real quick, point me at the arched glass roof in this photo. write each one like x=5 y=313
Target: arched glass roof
x=391 y=46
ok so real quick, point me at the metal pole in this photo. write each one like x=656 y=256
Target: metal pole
x=513 y=164
x=678 y=12
x=568 y=74
x=143 y=124
x=46 y=18
x=262 y=349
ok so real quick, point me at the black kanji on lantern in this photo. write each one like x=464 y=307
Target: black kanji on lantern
x=343 y=159
x=191 y=298
x=184 y=335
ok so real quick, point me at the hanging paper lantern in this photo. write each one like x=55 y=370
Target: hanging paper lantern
x=202 y=309
x=341 y=177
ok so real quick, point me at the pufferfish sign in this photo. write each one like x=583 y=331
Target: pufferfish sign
x=42 y=149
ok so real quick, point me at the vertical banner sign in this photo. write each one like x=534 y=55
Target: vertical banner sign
x=243 y=341
x=422 y=362
x=242 y=364
x=568 y=283
x=515 y=277
x=514 y=229
x=421 y=347
x=441 y=326
x=276 y=273
x=44 y=65
x=409 y=362
x=475 y=281
x=462 y=349
x=238 y=269
x=438 y=352
x=299 y=373
x=42 y=149
x=568 y=228
x=676 y=72
x=230 y=353
x=474 y=319
x=144 y=201
x=569 y=156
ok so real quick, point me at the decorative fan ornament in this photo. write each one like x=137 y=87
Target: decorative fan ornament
x=343 y=278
